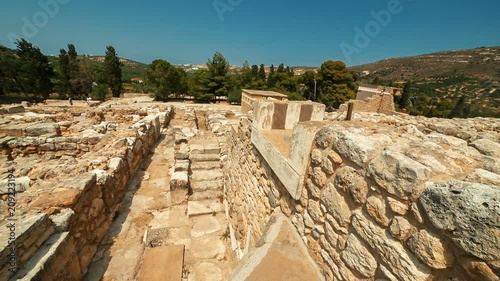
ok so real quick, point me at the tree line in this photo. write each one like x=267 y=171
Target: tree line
x=27 y=70
x=333 y=84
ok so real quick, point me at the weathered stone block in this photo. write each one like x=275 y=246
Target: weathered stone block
x=468 y=212
x=375 y=206
x=402 y=264
x=351 y=182
x=401 y=228
x=43 y=129
x=336 y=205
x=398 y=174
x=355 y=146
x=431 y=250
x=357 y=257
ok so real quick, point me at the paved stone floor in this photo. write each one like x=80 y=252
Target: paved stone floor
x=155 y=217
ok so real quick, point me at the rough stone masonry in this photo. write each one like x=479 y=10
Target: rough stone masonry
x=383 y=198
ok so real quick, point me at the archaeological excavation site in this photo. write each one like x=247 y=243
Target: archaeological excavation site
x=132 y=189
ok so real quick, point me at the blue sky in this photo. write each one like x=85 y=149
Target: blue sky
x=295 y=32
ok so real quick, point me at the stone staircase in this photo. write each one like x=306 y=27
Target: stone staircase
x=206 y=178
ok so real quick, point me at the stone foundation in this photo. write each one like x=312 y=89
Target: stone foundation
x=378 y=201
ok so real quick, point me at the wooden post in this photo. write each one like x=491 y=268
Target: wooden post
x=350 y=107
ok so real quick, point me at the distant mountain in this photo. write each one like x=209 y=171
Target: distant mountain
x=440 y=79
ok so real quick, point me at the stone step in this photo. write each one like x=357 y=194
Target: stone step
x=206 y=175
x=200 y=186
x=163 y=263
x=210 y=148
x=37 y=267
x=204 y=207
x=205 y=166
x=204 y=195
x=204 y=157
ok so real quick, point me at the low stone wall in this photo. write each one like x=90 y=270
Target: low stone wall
x=377 y=103
x=82 y=207
x=380 y=202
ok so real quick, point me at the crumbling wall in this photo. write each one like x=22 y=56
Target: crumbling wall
x=78 y=211
x=381 y=201
x=377 y=103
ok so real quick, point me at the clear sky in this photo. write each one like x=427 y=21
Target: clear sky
x=295 y=32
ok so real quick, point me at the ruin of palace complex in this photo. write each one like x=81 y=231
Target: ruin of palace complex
x=132 y=189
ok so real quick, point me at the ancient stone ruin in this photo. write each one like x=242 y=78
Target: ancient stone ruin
x=132 y=189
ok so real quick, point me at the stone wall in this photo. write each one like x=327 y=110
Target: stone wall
x=78 y=211
x=381 y=202
x=377 y=103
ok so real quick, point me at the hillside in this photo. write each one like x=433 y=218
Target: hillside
x=130 y=68
x=440 y=79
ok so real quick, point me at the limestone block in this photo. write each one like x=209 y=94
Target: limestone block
x=356 y=146
x=478 y=270
x=61 y=220
x=397 y=206
x=315 y=211
x=14 y=109
x=179 y=180
x=401 y=228
x=43 y=129
x=319 y=177
x=325 y=136
x=398 y=174
x=334 y=157
x=430 y=249
x=392 y=253
x=487 y=147
x=314 y=190
x=336 y=205
x=316 y=157
x=327 y=166
x=484 y=177
x=468 y=212
x=90 y=137
x=357 y=257
x=351 y=182
x=376 y=208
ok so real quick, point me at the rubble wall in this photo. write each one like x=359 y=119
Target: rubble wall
x=409 y=200
x=81 y=208
x=377 y=103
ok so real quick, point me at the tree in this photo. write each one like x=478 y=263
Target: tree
x=218 y=67
x=308 y=79
x=113 y=71
x=64 y=86
x=281 y=68
x=271 y=81
x=8 y=73
x=165 y=80
x=405 y=96
x=34 y=72
x=262 y=73
x=255 y=72
x=337 y=84
x=198 y=84
x=461 y=109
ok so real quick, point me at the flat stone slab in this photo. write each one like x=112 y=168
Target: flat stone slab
x=281 y=256
x=200 y=186
x=196 y=208
x=214 y=175
x=207 y=271
x=207 y=247
x=205 y=225
x=163 y=263
x=207 y=194
x=181 y=165
x=213 y=165
x=204 y=157
x=177 y=218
